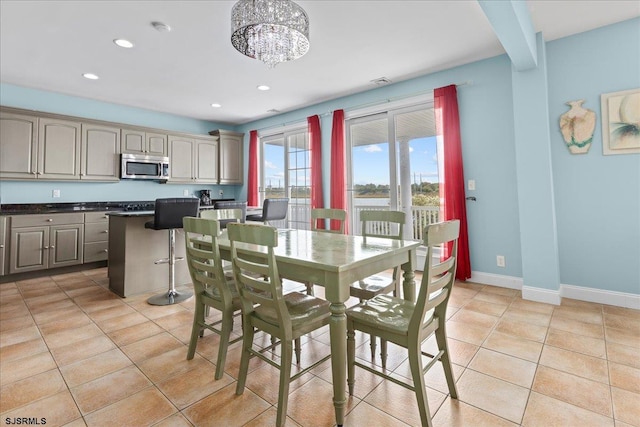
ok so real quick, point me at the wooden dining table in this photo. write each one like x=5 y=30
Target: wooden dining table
x=335 y=261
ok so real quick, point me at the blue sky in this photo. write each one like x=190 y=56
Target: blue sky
x=370 y=163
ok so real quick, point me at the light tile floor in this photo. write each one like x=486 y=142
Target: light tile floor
x=73 y=353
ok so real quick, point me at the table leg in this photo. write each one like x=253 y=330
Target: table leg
x=409 y=283
x=338 y=332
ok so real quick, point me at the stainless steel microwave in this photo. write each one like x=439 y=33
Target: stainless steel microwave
x=140 y=166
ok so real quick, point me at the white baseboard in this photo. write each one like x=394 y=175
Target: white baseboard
x=549 y=296
x=510 y=282
x=619 y=299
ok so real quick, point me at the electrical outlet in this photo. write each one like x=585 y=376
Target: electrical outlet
x=185 y=193
x=500 y=260
x=55 y=193
x=221 y=192
x=471 y=185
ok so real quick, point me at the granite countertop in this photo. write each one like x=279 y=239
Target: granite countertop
x=45 y=208
x=131 y=213
x=144 y=207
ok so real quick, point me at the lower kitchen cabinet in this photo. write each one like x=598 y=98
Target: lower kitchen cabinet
x=96 y=236
x=35 y=245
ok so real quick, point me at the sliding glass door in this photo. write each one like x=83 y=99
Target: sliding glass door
x=286 y=173
x=393 y=164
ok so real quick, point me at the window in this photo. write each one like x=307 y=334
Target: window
x=392 y=163
x=286 y=172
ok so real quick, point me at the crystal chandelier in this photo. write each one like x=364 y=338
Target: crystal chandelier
x=272 y=31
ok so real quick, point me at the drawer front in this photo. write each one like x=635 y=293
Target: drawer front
x=95 y=251
x=96 y=232
x=44 y=219
x=96 y=217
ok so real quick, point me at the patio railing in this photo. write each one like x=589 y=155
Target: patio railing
x=300 y=217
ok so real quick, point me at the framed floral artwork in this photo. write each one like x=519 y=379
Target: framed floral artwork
x=621 y=122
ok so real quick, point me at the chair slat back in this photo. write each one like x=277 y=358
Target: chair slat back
x=387 y=224
x=255 y=268
x=220 y=214
x=203 y=259
x=339 y=215
x=232 y=204
x=437 y=277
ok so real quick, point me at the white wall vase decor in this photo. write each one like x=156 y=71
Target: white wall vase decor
x=577 y=126
x=621 y=122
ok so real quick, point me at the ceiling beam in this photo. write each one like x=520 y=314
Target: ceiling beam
x=512 y=24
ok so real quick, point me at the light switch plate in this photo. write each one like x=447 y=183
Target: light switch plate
x=55 y=193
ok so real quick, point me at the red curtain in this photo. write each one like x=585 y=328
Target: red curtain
x=315 y=142
x=252 y=190
x=338 y=171
x=452 y=178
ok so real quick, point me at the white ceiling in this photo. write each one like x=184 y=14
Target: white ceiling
x=49 y=44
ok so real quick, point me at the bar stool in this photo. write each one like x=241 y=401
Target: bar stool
x=168 y=216
x=272 y=210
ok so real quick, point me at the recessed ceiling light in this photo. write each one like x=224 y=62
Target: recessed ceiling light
x=215 y=105
x=161 y=26
x=263 y=87
x=90 y=76
x=123 y=43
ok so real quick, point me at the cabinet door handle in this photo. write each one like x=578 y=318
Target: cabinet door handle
x=1 y=246
x=46 y=247
x=51 y=247
x=49 y=219
x=106 y=250
x=105 y=231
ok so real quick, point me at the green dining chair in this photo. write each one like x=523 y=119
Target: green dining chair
x=224 y=217
x=327 y=215
x=211 y=287
x=409 y=324
x=388 y=225
x=266 y=308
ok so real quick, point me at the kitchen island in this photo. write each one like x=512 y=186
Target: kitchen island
x=133 y=250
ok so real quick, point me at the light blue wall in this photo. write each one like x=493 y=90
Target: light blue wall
x=597 y=196
x=487 y=143
x=41 y=192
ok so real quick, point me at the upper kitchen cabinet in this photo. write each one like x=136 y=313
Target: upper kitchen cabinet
x=231 y=158
x=193 y=160
x=39 y=148
x=100 y=153
x=58 y=149
x=141 y=142
x=18 y=146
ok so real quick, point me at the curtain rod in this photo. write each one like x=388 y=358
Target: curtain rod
x=368 y=104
